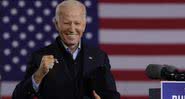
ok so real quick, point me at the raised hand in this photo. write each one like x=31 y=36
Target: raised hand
x=46 y=64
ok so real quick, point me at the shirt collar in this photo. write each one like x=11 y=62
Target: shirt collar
x=67 y=48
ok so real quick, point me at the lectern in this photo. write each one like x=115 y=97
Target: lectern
x=168 y=90
x=155 y=93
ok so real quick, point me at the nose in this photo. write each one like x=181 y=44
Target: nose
x=72 y=27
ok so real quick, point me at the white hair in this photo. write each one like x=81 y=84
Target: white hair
x=69 y=3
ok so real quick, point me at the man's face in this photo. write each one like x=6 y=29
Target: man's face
x=71 y=25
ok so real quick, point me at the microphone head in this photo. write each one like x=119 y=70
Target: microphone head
x=157 y=71
x=170 y=68
x=153 y=71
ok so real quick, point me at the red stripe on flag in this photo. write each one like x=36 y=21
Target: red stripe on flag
x=142 y=1
x=109 y=23
x=130 y=75
x=144 y=49
x=6 y=97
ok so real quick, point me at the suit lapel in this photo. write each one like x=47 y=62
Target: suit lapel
x=58 y=54
x=88 y=61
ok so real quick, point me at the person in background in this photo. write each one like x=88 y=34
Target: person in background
x=68 y=68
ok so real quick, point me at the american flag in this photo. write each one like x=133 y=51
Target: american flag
x=134 y=33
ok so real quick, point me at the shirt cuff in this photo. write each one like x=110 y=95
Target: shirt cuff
x=34 y=84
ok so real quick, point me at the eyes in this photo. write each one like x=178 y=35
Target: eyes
x=70 y=23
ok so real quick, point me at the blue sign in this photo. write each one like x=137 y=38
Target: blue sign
x=172 y=89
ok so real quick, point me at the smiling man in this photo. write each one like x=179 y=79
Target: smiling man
x=68 y=69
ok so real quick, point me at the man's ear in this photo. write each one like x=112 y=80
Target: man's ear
x=55 y=23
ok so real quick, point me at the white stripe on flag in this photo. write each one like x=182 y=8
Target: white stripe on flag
x=135 y=88
x=166 y=10
x=7 y=88
x=140 y=62
x=141 y=36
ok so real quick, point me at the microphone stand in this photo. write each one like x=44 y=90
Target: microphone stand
x=173 y=76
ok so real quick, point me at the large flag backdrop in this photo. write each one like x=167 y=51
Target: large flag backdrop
x=134 y=33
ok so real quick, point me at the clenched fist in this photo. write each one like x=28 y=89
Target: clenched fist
x=46 y=64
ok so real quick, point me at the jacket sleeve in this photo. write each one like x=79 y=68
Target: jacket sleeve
x=104 y=81
x=24 y=89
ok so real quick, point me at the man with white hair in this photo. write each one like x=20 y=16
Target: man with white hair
x=68 y=69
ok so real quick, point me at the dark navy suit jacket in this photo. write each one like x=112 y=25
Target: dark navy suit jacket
x=55 y=85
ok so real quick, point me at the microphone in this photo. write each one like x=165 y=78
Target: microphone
x=164 y=72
